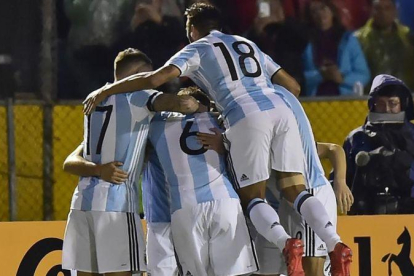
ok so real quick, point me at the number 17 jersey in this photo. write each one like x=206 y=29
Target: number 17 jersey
x=195 y=175
x=116 y=131
x=232 y=70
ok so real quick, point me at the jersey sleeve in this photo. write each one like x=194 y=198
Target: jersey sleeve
x=187 y=60
x=271 y=67
x=143 y=98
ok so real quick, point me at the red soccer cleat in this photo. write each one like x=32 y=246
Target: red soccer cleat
x=341 y=259
x=293 y=253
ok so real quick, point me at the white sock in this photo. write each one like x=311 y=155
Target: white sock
x=315 y=215
x=267 y=223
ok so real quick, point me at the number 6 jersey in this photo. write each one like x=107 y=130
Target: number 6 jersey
x=116 y=131
x=195 y=175
x=232 y=70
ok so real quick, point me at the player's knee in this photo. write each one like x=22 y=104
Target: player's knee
x=248 y=193
x=291 y=193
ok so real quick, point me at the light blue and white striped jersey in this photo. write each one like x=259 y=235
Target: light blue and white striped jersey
x=232 y=70
x=314 y=175
x=194 y=174
x=155 y=190
x=116 y=131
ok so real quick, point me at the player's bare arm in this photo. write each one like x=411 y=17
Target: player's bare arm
x=183 y=104
x=336 y=156
x=136 y=82
x=77 y=165
x=287 y=81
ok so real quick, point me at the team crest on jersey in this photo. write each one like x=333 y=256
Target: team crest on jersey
x=244 y=177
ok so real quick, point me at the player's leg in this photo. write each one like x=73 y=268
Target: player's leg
x=288 y=161
x=79 y=247
x=81 y=273
x=313 y=266
x=191 y=237
x=248 y=143
x=231 y=251
x=312 y=210
x=315 y=249
x=262 y=215
x=160 y=249
x=120 y=243
x=271 y=261
x=125 y=273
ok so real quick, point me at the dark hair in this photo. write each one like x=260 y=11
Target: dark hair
x=204 y=17
x=396 y=90
x=195 y=92
x=336 y=24
x=126 y=58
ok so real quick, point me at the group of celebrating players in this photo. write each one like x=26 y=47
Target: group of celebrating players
x=206 y=174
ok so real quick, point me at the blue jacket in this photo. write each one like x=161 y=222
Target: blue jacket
x=351 y=62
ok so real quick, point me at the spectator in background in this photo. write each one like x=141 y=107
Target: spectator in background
x=157 y=35
x=353 y=13
x=87 y=55
x=380 y=153
x=283 y=39
x=240 y=15
x=333 y=61
x=386 y=43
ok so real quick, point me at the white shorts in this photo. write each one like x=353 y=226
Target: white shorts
x=103 y=242
x=269 y=255
x=160 y=249
x=212 y=238
x=262 y=141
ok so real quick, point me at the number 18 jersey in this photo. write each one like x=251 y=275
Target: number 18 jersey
x=116 y=131
x=232 y=70
x=195 y=175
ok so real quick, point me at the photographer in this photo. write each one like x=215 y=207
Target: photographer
x=380 y=154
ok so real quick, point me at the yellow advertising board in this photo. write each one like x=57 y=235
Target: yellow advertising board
x=31 y=248
x=381 y=245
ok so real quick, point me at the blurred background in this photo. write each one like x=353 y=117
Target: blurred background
x=54 y=52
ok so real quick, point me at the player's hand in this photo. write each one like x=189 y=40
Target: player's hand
x=212 y=141
x=188 y=104
x=110 y=172
x=92 y=100
x=344 y=196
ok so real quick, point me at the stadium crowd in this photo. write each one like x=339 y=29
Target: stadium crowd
x=365 y=38
x=330 y=47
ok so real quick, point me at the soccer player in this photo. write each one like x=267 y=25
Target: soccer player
x=207 y=222
x=156 y=201
x=270 y=259
x=295 y=225
x=103 y=232
x=261 y=129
